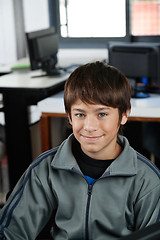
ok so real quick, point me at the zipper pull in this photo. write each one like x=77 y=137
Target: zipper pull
x=89 y=189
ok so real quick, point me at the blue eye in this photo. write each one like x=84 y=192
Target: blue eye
x=102 y=114
x=80 y=115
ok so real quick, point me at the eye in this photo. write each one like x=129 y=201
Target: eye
x=102 y=115
x=79 y=115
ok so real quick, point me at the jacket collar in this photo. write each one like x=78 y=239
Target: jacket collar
x=125 y=164
x=64 y=158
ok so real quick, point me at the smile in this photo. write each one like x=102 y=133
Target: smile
x=91 y=139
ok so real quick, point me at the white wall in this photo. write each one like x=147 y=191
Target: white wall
x=35 y=18
x=7 y=34
x=35 y=14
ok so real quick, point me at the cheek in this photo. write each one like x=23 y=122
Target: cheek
x=77 y=126
x=110 y=126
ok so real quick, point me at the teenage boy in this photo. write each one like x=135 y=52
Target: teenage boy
x=95 y=185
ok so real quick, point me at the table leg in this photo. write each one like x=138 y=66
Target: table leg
x=18 y=142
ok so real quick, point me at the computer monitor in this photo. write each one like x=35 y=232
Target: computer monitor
x=137 y=61
x=43 y=49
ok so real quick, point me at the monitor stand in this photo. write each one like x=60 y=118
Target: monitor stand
x=138 y=90
x=141 y=95
x=53 y=72
x=41 y=73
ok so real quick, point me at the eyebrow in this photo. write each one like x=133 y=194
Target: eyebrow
x=78 y=110
x=96 y=110
x=102 y=109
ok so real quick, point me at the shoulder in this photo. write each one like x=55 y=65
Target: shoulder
x=138 y=159
x=147 y=179
x=42 y=163
x=52 y=156
x=46 y=156
x=137 y=163
x=149 y=168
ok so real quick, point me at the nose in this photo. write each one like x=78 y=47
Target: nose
x=90 y=124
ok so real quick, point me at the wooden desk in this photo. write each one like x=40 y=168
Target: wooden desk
x=20 y=91
x=144 y=110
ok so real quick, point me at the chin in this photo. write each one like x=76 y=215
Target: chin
x=90 y=151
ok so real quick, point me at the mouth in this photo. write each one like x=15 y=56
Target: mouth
x=91 y=138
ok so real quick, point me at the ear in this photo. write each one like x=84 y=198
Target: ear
x=125 y=117
x=69 y=119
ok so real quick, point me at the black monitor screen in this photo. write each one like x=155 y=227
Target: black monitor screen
x=42 y=49
x=126 y=60
x=47 y=46
x=136 y=60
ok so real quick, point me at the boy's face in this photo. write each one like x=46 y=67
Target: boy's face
x=95 y=127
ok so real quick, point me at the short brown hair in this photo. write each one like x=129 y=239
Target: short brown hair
x=98 y=83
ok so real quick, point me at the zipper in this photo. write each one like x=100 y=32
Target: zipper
x=87 y=210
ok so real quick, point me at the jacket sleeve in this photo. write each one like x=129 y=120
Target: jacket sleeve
x=147 y=209
x=28 y=208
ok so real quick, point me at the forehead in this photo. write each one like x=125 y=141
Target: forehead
x=79 y=105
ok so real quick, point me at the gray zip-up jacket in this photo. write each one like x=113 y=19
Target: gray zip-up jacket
x=124 y=199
